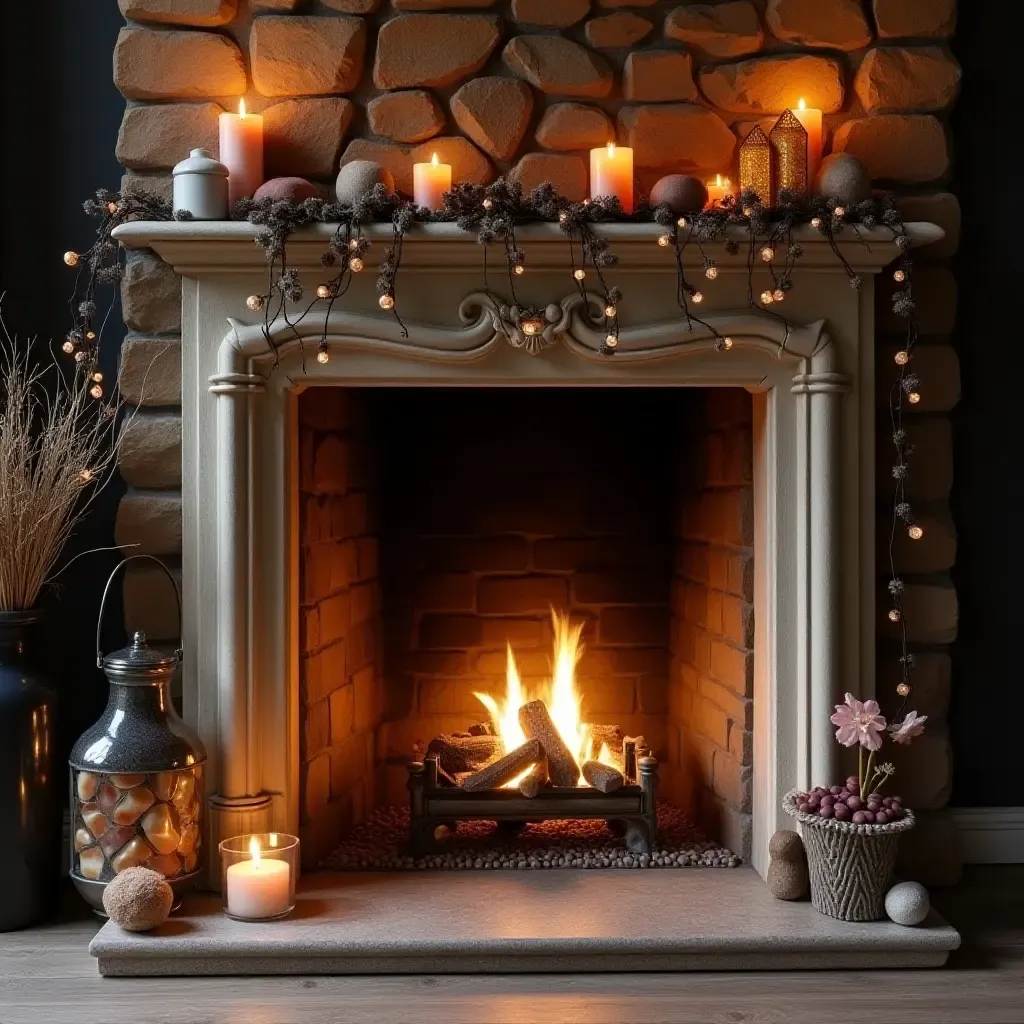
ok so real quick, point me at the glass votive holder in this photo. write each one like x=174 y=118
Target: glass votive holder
x=257 y=875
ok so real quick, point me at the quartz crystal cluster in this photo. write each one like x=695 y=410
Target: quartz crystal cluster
x=130 y=820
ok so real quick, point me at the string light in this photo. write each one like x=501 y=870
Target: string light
x=767 y=254
x=894 y=615
x=85 y=475
x=386 y=301
x=520 y=269
x=355 y=264
x=609 y=311
x=255 y=302
x=815 y=222
x=322 y=356
x=711 y=273
x=97 y=377
x=80 y=356
x=563 y=217
x=323 y=292
x=611 y=341
x=353 y=244
x=111 y=207
x=915 y=532
x=767 y=298
x=914 y=397
x=681 y=223
x=903 y=689
x=697 y=296
x=664 y=240
x=899 y=275
x=579 y=274
x=71 y=258
x=840 y=211
x=727 y=343
x=96 y=391
x=68 y=346
x=902 y=357
x=488 y=204
x=778 y=295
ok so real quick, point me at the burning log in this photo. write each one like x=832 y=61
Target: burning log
x=603 y=777
x=481 y=729
x=536 y=780
x=505 y=769
x=536 y=723
x=457 y=753
x=610 y=735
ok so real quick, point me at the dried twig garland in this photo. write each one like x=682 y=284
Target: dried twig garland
x=494 y=212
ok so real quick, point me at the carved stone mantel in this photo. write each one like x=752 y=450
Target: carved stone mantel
x=813 y=440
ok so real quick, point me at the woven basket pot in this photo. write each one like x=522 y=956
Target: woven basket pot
x=851 y=866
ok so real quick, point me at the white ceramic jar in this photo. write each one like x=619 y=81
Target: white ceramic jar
x=201 y=186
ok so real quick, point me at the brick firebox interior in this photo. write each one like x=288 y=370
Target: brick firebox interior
x=437 y=525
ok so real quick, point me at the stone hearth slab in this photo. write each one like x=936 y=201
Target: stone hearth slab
x=446 y=922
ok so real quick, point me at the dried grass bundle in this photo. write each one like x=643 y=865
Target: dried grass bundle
x=58 y=444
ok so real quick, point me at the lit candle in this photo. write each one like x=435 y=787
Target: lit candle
x=241 y=152
x=611 y=174
x=717 y=191
x=258 y=888
x=811 y=120
x=430 y=182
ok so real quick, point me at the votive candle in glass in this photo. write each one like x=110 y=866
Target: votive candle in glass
x=258 y=875
x=430 y=182
x=611 y=174
x=717 y=191
x=241 y=152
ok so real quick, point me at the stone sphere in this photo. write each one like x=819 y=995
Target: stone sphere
x=788 y=880
x=682 y=193
x=907 y=903
x=138 y=899
x=292 y=190
x=786 y=845
x=842 y=177
x=358 y=177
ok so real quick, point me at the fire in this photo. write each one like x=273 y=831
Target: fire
x=560 y=694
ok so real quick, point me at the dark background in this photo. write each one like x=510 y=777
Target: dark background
x=60 y=116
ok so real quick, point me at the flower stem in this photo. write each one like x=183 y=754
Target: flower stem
x=860 y=768
x=865 y=786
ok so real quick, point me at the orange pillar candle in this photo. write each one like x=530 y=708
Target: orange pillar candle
x=430 y=182
x=241 y=152
x=611 y=174
x=717 y=191
x=811 y=120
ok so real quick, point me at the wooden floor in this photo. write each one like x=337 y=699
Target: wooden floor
x=47 y=977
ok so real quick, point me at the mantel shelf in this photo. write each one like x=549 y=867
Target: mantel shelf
x=197 y=247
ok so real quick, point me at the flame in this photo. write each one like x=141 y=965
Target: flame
x=434 y=160
x=254 y=851
x=241 y=108
x=560 y=693
x=800 y=104
x=611 y=150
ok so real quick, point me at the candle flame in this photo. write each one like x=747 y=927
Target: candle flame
x=273 y=840
x=611 y=150
x=434 y=160
x=718 y=180
x=801 y=105
x=254 y=850
x=241 y=108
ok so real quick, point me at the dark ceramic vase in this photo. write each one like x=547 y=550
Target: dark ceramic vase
x=30 y=848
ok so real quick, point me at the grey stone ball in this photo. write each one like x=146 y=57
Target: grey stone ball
x=907 y=903
x=682 y=193
x=138 y=899
x=844 y=178
x=358 y=177
x=293 y=190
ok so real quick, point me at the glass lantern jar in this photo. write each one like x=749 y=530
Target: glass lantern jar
x=137 y=792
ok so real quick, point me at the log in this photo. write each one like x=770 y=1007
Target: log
x=457 y=753
x=505 y=769
x=535 y=781
x=536 y=723
x=481 y=729
x=610 y=734
x=603 y=777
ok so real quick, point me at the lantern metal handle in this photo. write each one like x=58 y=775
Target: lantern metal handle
x=106 y=590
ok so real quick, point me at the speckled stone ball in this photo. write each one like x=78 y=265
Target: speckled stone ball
x=138 y=899
x=682 y=193
x=786 y=844
x=907 y=903
x=358 y=177
x=292 y=190
x=843 y=177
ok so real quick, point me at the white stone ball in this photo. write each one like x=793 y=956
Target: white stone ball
x=358 y=176
x=907 y=903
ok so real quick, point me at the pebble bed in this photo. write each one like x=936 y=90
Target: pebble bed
x=380 y=843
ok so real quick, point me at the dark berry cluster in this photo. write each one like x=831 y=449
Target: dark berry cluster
x=844 y=803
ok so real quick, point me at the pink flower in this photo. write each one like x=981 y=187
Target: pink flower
x=859 y=722
x=911 y=726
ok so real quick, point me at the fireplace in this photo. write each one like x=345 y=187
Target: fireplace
x=739 y=481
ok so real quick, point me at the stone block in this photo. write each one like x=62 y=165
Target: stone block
x=303 y=137
x=640 y=587
x=731 y=699
x=154 y=64
x=161 y=185
x=908 y=148
x=652 y=695
x=515 y=595
x=930 y=474
x=317 y=785
x=449 y=697
x=567 y=173
x=350 y=761
x=930 y=613
x=937 y=365
x=150 y=294
x=322 y=834
x=352 y=6
x=899 y=79
x=366 y=692
x=275 y=5
x=316 y=729
x=445 y=591
x=549 y=13
x=617 y=31
x=681 y=137
x=200 y=13
x=942 y=208
x=475 y=554
x=342 y=705
x=411 y=115
x=436 y=5
x=150 y=371
x=306 y=55
x=658 y=76
x=607 y=696
x=149 y=602
x=732 y=667
x=574 y=126
x=433 y=49
x=838 y=24
x=927 y=18
x=935 y=295
x=457 y=632
x=331 y=465
x=733 y=782
x=558 y=67
x=335 y=617
x=366 y=601
x=494 y=112
x=766 y=85
x=720 y=30
x=149 y=523
x=157 y=137
x=150 y=450
x=934 y=552
x=639 y=627
x=467 y=162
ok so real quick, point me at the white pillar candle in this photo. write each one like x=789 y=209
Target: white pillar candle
x=611 y=174
x=430 y=182
x=811 y=120
x=241 y=152
x=258 y=888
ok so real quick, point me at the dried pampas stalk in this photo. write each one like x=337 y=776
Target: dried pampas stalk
x=58 y=444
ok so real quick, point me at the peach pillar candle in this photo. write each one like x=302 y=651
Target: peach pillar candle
x=430 y=182
x=811 y=120
x=241 y=152
x=717 y=191
x=611 y=174
x=258 y=888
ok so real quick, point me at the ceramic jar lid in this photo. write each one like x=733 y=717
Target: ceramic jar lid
x=200 y=161
x=139 y=662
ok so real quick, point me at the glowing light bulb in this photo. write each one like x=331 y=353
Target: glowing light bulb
x=611 y=341
x=579 y=274
x=767 y=254
x=697 y=296
x=727 y=343
x=778 y=295
x=563 y=217
x=91 y=335
x=322 y=356
x=681 y=222
x=97 y=377
x=520 y=269
x=254 y=302
x=79 y=356
x=386 y=301
x=711 y=273
x=71 y=258
x=355 y=264
x=85 y=475
x=323 y=292
x=488 y=204
x=353 y=244
x=815 y=222
x=68 y=347
x=894 y=615
x=767 y=298
x=913 y=398
x=903 y=689
x=839 y=211
x=915 y=532
x=111 y=207
x=899 y=275
x=664 y=240
x=902 y=357
x=609 y=310
x=96 y=391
